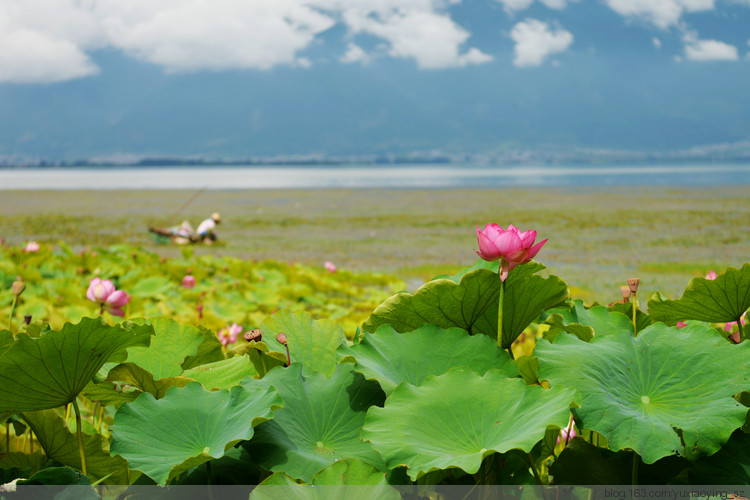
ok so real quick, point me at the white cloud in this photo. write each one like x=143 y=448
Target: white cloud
x=183 y=35
x=656 y=42
x=354 y=53
x=512 y=6
x=429 y=37
x=29 y=55
x=535 y=42
x=50 y=40
x=708 y=50
x=662 y=13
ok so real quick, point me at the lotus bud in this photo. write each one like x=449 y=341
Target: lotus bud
x=711 y=275
x=18 y=286
x=255 y=335
x=625 y=291
x=281 y=338
x=188 y=281
x=633 y=284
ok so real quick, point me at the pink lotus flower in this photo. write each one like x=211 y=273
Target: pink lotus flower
x=229 y=334
x=188 y=281
x=510 y=245
x=330 y=266
x=711 y=275
x=104 y=293
x=31 y=247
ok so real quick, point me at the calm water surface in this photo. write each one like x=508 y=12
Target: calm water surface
x=357 y=176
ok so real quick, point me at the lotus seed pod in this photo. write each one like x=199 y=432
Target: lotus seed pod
x=633 y=284
x=255 y=335
x=625 y=290
x=281 y=338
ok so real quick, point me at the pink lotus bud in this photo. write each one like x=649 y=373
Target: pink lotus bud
x=711 y=275
x=681 y=324
x=330 y=266
x=18 y=286
x=188 y=281
x=31 y=247
x=511 y=246
x=567 y=433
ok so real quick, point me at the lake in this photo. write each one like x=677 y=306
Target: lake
x=376 y=176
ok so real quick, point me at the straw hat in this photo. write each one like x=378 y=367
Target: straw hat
x=216 y=217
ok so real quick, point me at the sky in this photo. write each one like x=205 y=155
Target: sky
x=241 y=78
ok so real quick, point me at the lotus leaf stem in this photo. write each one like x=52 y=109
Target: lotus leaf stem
x=636 y=462
x=635 y=329
x=12 y=312
x=80 y=437
x=501 y=297
x=740 y=329
x=7 y=436
x=534 y=469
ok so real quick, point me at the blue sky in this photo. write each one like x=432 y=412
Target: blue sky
x=235 y=78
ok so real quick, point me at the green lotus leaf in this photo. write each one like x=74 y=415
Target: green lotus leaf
x=667 y=391
x=518 y=273
x=149 y=287
x=585 y=323
x=106 y=394
x=17 y=464
x=472 y=304
x=457 y=419
x=61 y=445
x=50 y=371
x=525 y=300
x=730 y=465
x=721 y=300
x=59 y=476
x=6 y=340
x=222 y=374
x=136 y=376
x=188 y=426
x=172 y=343
x=311 y=343
x=468 y=304
x=263 y=359
x=319 y=424
x=642 y=320
x=344 y=479
x=391 y=357
x=209 y=351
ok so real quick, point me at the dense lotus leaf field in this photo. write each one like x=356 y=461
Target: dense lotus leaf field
x=120 y=367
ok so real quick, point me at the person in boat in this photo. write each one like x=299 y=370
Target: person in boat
x=184 y=233
x=206 y=229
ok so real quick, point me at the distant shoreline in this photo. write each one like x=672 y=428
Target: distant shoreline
x=353 y=176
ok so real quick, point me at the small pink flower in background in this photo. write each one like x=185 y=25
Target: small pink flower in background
x=188 y=281
x=229 y=334
x=681 y=324
x=728 y=326
x=31 y=247
x=330 y=266
x=711 y=275
x=104 y=293
x=510 y=245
